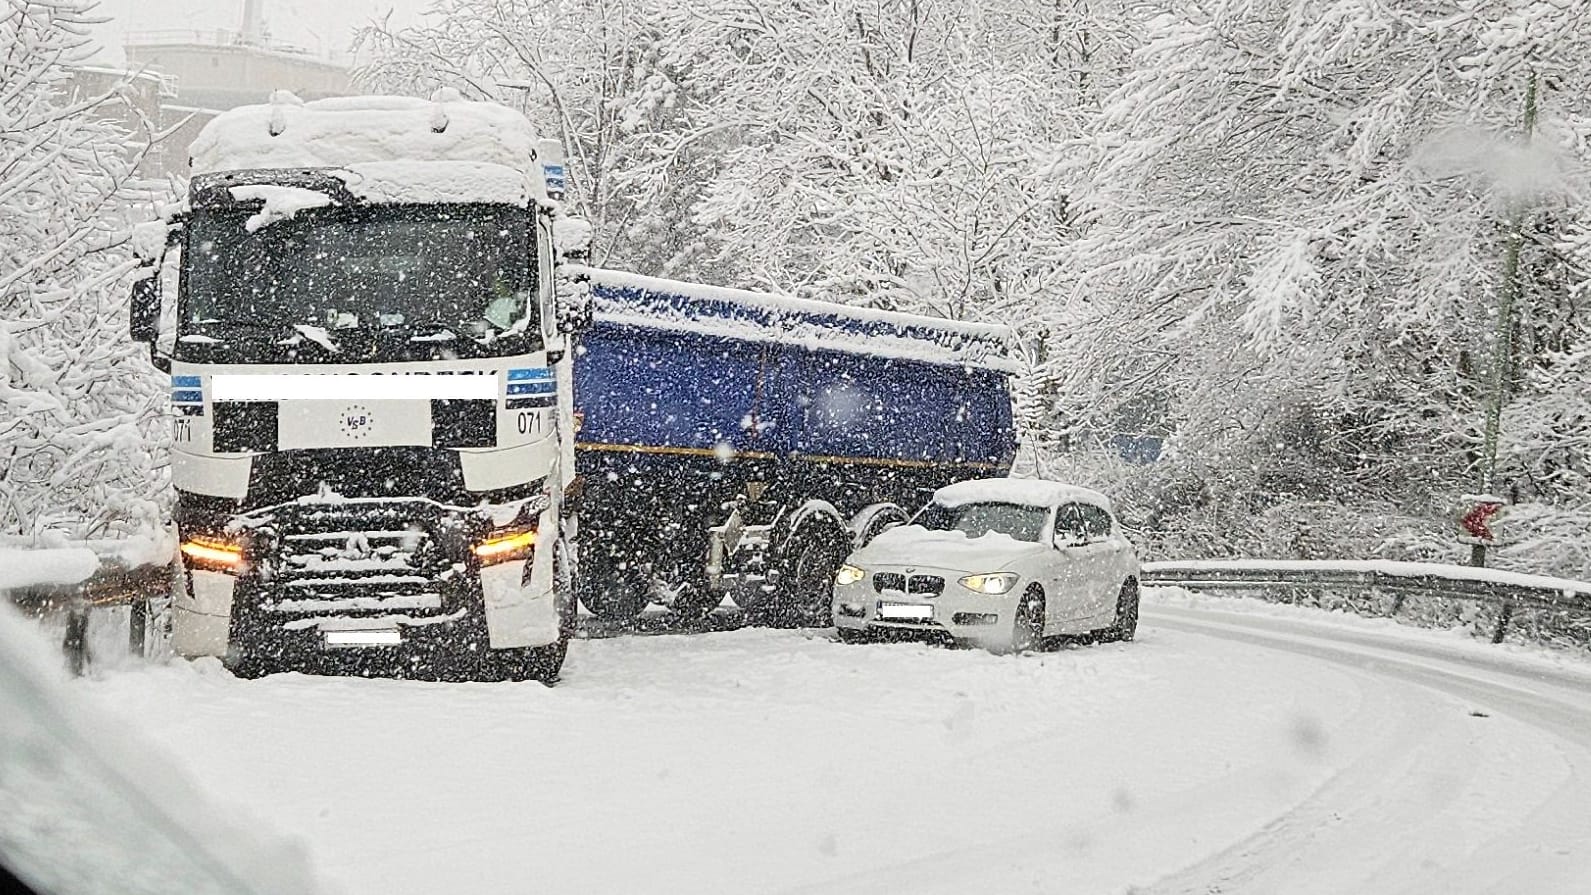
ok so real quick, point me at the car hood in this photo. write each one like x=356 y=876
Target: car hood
x=909 y=545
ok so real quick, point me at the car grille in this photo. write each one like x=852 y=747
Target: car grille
x=919 y=585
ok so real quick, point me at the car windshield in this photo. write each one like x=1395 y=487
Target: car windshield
x=455 y=274
x=1019 y=521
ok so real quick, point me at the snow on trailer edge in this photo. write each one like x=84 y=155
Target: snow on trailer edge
x=656 y=303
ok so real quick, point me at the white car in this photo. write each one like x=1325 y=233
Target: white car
x=999 y=563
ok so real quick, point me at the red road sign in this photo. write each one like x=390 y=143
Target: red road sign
x=1477 y=523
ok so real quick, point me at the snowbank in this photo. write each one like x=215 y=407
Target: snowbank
x=635 y=300
x=86 y=806
x=36 y=568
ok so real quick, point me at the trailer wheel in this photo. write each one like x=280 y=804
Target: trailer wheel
x=614 y=594
x=695 y=601
x=874 y=520
x=805 y=580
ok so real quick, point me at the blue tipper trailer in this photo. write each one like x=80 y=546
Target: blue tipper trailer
x=741 y=444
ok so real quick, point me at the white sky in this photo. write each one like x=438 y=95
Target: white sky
x=321 y=26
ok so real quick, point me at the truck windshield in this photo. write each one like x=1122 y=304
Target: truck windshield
x=371 y=281
x=1025 y=523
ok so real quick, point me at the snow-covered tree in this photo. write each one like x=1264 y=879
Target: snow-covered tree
x=1295 y=218
x=582 y=70
x=79 y=405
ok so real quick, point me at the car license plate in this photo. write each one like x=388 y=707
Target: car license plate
x=905 y=612
x=343 y=639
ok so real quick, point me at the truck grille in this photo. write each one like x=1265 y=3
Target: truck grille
x=370 y=561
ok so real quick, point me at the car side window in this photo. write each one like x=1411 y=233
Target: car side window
x=1070 y=527
x=1096 y=523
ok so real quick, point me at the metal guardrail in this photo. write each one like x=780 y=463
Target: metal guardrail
x=1401 y=579
x=114 y=583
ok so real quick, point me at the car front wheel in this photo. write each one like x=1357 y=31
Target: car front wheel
x=1027 y=627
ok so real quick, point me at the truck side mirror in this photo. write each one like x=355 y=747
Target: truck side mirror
x=572 y=302
x=143 y=312
x=572 y=294
x=143 y=317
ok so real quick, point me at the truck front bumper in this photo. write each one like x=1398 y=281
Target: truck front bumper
x=413 y=599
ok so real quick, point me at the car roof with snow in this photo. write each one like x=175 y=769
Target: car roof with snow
x=1033 y=492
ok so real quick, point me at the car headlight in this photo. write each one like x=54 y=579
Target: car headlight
x=991 y=583
x=849 y=575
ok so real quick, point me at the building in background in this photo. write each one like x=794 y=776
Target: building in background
x=182 y=79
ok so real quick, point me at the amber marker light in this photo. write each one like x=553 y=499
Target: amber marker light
x=213 y=552
x=506 y=546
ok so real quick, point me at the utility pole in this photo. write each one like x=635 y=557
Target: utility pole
x=1502 y=367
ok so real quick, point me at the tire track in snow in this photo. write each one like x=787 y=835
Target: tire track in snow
x=1504 y=806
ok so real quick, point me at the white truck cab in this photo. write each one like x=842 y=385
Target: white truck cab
x=370 y=389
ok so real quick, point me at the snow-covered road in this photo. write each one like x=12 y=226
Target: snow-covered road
x=1234 y=748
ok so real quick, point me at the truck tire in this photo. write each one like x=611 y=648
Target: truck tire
x=541 y=663
x=805 y=576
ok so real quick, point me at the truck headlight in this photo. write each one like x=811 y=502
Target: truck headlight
x=849 y=574
x=506 y=546
x=216 y=554
x=995 y=583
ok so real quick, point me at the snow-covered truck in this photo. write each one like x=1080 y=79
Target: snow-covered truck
x=371 y=389
x=740 y=444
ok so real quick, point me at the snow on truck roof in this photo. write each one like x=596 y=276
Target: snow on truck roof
x=651 y=302
x=387 y=148
x=1033 y=492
